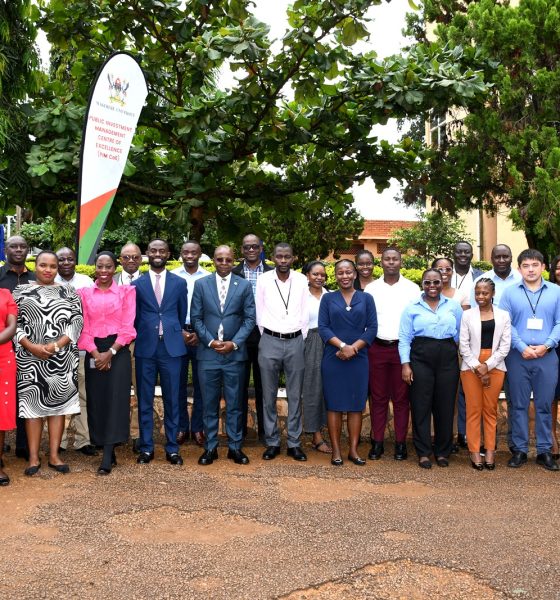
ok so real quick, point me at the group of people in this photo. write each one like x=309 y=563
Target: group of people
x=71 y=346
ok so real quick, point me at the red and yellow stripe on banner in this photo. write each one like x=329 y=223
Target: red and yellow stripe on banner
x=92 y=219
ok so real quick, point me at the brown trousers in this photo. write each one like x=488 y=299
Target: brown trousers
x=482 y=405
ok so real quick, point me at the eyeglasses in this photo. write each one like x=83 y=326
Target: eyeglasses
x=445 y=269
x=251 y=246
x=431 y=282
x=130 y=257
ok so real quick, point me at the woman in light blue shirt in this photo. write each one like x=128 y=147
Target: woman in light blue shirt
x=428 y=337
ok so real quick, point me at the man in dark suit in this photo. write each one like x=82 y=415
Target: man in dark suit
x=251 y=268
x=223 y=315
x=161 y=309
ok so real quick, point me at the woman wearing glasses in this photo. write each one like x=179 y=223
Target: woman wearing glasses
x=428 y=336
x=445 y=267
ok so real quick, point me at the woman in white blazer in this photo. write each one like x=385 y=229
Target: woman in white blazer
x=484 y=342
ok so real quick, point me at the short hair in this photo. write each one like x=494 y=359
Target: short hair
x=462 y=242
x=488 y=281
x=344 y=260
x=282 y=245
x=308 y=266
x=530 y=254
x=66 y=248
x=131 y=244
x=110 y=255
x=191 y=242
x=436 y=260
x=46 y=252
x=159 y=240
x=391 y=249
x=363 y=252
x=553 y=265
x=498 y=246
x=430 y=270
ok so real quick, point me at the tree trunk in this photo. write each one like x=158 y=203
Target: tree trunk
x=196 y=217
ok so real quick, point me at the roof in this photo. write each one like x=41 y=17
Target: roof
x=382 y=229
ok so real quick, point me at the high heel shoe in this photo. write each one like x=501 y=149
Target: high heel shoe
x=477 y=466
x=490 y=466
x=357 y=460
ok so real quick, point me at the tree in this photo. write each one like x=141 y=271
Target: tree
x=433 y=236
x=297 y=124
x=505 y=153
x=18 y=77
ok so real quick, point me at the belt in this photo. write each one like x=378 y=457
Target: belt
x=386 y=342
x=282 y=336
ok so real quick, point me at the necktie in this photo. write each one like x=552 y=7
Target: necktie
x=130 y=278
x=223 y=294
x=157 y=292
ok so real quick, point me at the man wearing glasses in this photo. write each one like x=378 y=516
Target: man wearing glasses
x=251 y=268
x=131 y=259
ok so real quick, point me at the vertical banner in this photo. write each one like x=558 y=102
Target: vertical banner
x=114 y=106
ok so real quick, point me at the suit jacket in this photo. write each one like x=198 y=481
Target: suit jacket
x=172 y=313
x=238 y=269
x=238 y=317
x=469 y=339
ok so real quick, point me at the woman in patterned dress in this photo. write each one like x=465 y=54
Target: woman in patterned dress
x=48 y=326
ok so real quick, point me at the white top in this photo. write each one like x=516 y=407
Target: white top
x=190 y=278
x=460 y=296
x=313 y=305
x=77 y=282
x=123 y=278
x=390 y=302
x=161 y=280
x=282 y=305
x=463 y=282
x=219 y=280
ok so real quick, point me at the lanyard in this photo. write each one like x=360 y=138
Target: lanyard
x=533 y=308
x=284 y=302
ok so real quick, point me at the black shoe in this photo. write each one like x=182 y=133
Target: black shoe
x=489 y=466
x=477 y=466
x=454 y=449
x=63 y=468
x=442 y=461
x=518 y=459
x=174 y=458
x=357 y=460
x=425 y=464
x=401 y=453
x=30 y=471
x=337 y=462
x=145 y=457
x=271 y=452
x=461 y=440
x=104 y=470
x=208 y=457
x=88 y=450
x=545 y=460
x=22 y=453
x=297 y=453
x=376 y=451
x=238 y=457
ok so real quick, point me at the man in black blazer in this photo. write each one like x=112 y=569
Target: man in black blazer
x=223 y=315
x=161 y=310
x=250 y=268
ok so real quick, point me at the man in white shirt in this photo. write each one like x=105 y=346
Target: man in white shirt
x=67 y=276
x=130 y=259
x=190 y=272
x=391 y=293
x=283 y=318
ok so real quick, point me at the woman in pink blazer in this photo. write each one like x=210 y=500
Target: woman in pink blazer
x=484 y=342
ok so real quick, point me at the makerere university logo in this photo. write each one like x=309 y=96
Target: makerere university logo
x=117 y=89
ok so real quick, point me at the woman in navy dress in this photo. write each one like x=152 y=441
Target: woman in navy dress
x=347 y=325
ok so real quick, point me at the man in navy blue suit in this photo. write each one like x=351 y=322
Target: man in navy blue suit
x=223 y=315
x=161 y=309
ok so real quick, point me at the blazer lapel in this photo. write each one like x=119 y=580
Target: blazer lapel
x=146 y=281
x=233 y=285
x=213 y=285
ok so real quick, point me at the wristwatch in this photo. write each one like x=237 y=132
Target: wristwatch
x=113 y=351
x=235 y=346
x=56 y=347
x=548 y=348
x=342 y=344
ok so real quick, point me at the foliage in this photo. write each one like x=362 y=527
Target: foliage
x=434 y=235
x=39 y=234
x=284 y=145
x=18 y=77
x=507 y=153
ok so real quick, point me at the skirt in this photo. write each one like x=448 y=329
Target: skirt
x=313 y=401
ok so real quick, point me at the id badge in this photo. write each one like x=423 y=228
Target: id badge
x=534 y=323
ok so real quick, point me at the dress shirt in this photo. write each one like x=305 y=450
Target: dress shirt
x=520 y=310
x=313 y=305
x=123 y=278
x=190 y=278
x=78 y=282
x=390 y=301
x=107 y=312
x=418 y=319
x=161 y=280
x=501 y=284
x=271 y=299
x=219 y=280
x=252 y=275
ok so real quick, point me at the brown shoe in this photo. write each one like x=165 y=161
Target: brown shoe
x=181 y=437
x=198 y=438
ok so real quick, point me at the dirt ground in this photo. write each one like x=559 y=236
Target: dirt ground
x=279 y=529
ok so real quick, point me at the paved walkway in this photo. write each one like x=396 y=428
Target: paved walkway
x=279 y=530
